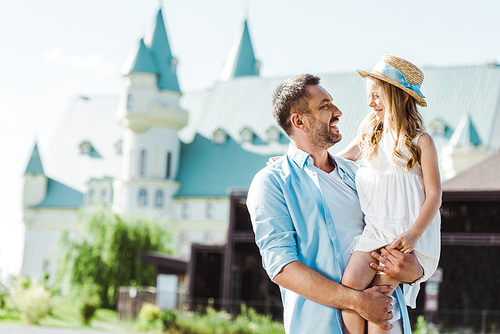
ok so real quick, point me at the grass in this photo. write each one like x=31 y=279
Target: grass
x=65 y=314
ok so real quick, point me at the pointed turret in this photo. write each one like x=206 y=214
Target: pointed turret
x=140 y=60
x=35 y=181
x=464 y=149
x=35 y=164
x=241 y=60
x=149 y=110
x=165 y=62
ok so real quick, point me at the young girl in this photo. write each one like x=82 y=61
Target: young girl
x=399 y=187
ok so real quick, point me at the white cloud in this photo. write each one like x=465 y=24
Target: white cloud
x=93 y=62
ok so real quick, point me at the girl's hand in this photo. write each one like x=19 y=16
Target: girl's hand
x=272 y=160
x=405 y=242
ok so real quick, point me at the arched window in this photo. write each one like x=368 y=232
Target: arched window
x=143 y=197
x=185 y=210
x=142 y=169
x=104 y=195
x=91 y=195
x=273 y=135
x=129 y=101
x=169 y=161
x=159 y=199
x=209 y=210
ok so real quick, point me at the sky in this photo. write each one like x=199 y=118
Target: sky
x=55 y=50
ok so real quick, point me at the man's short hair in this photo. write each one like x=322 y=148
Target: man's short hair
x=291 y=97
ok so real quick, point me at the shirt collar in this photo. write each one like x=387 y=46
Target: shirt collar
x=300 y=157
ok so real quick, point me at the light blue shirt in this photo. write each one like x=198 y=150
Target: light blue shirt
x=292 y=222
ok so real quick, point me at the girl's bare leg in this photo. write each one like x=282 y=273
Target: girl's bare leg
x=381 y=279
x=358 y=275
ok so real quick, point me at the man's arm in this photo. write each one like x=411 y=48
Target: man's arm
x=275 y=236
x=373 y=304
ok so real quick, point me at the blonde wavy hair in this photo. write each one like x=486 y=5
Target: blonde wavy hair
x=401 y=110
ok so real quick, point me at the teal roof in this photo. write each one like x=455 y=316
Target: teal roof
x=35 y=163
x=241 y=60
x=465 y=133
x=245 y=102
x=143 y=61
x=60 y=196
x=209 y=170
x=165 y=62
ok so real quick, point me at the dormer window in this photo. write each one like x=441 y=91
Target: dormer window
x=173 y=65
x=246 y=135
x=85 y=148
x=273 y=135
x=437 y=127
x=119 y=147
x=220 y=137
x=257 y=67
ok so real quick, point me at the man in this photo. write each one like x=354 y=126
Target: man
x=306 y=214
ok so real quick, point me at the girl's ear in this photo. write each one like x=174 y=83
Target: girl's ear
x=407 y=96
x=297 y=121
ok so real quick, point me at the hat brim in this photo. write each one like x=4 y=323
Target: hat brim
x=420 y=100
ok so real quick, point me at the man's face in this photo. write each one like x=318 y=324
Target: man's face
x=323 y=118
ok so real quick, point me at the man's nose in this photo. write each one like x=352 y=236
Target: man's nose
x=337 y=112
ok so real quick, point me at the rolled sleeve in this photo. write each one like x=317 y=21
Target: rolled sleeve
x=274 y=231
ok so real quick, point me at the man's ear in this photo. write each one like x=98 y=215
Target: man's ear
x=298 y=121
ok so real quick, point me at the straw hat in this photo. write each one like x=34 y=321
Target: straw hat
x=400 y=73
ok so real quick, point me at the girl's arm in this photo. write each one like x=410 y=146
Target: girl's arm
x=432 y=188
x=351 y=152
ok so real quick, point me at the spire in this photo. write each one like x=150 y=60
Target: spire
x=465 y=133
x=162 y=56
x=241 y=60
x=35 y=164
x=140 y=60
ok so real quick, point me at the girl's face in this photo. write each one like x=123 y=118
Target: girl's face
x=375 y=99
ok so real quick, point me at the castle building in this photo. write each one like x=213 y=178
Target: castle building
x=155 y=150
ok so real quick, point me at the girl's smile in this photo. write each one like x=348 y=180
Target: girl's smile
x=374 y=100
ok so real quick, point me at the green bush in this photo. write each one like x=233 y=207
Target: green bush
x=149 y=312
x=89 y=305
x=3 y=295
x=105 y=253
x=168 y=319
x=33 y=303
x=218 y=322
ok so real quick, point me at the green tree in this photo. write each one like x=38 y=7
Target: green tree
x=105 y=253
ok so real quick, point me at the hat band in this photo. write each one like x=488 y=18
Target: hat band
x=393 y=73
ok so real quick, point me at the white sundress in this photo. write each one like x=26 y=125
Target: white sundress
x=391 y=199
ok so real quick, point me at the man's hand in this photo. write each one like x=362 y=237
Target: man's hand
x=375 y=306
x=400 y=266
